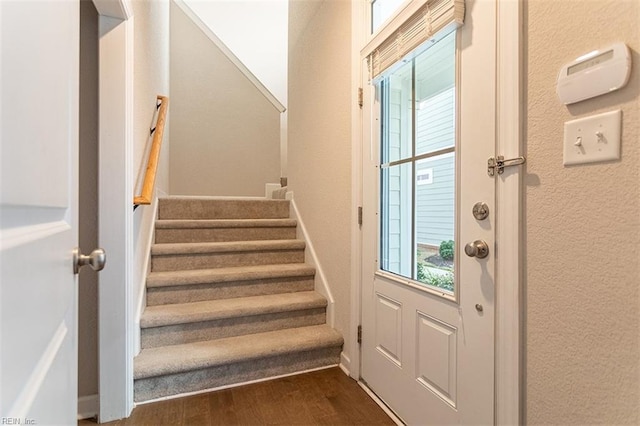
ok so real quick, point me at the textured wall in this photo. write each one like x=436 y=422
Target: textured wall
x=225 y=134
x=320 y=137
x=583 y=226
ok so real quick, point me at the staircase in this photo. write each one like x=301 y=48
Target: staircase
x=229 y=299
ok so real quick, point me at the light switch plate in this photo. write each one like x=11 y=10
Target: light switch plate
x=593 y=139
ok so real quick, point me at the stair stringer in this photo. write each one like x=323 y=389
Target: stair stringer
x=141 y=279
x=311 y=258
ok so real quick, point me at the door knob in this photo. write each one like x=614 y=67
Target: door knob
x=478 y=249
x=96 y=260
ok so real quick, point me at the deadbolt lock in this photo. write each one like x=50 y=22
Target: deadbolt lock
x=480 y=210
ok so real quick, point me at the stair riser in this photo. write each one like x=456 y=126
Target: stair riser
x=162 y=263
x=195 y=209
x=209 y=378
x=230 y=327
x=227 y=290
x=201 y=235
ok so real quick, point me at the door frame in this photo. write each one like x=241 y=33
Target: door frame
x=509 y=228
x=115 y=212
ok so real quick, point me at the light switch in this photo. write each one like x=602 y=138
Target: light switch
x=593 y=139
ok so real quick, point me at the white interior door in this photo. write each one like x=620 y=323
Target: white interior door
x=428 y=320
x=38 y=211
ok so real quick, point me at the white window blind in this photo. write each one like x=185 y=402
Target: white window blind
x=434 y=16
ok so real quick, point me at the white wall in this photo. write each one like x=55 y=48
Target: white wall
x=256 y=32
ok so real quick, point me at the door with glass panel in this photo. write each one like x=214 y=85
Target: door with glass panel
x=428 y=261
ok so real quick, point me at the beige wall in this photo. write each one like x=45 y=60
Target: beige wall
x=151 y=78
x=225 y=134
x=320 y=137
x=582 y=229
x=88 y=200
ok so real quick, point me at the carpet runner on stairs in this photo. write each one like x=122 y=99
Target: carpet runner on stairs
x=229 y=299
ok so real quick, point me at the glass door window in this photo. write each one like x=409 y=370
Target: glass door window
x=418 y=167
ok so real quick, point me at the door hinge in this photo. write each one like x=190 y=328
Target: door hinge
x=359 y=215
x=499 y=163
x=360 y=97
x=360 y=334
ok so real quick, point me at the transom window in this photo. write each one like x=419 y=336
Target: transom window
x=381 y=10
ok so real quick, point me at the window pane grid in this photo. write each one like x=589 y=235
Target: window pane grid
x=420 y=157
x=418 y=168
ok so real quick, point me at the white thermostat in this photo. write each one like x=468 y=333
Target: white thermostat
x=594 y=74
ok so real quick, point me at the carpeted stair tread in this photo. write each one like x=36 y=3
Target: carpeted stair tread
x=225 y=247
x=221 y=208
x=181 y=313
x=229 y=299
x=224 y=223
x=231 y=274
x=165 y=360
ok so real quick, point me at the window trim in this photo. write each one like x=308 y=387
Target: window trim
x=413 y=159
x=412 y=26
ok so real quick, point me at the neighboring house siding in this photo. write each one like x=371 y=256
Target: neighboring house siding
x=393 y=232
x=435 y=201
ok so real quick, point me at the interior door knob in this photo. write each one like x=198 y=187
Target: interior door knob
x=478 y=249
x=96 y=260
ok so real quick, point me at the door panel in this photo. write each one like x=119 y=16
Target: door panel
x=436 y=356
x=428 y=320
x=388 y=329
x=38 y=211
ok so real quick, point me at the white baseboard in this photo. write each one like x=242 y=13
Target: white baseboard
x=345 y=364
x=88 y=406
x=140 y=302
x=321 y=284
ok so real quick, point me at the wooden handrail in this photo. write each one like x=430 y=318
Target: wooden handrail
x=154 y=154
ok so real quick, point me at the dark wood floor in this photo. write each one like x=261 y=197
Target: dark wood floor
x=326 y=397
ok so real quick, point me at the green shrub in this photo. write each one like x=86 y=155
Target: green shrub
x=443 y=281
x=446 y=250
x=422 y=277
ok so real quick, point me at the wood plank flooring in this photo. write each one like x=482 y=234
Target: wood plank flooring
x=325 y=397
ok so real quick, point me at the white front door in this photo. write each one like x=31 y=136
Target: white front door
x=38 y=211
x=427 y=307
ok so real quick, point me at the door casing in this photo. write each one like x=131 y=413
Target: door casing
x=509 y=226
x=115 y=310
